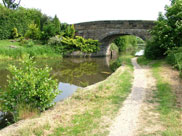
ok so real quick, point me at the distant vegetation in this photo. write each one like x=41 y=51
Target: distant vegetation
x=167 y=36
x=29 y=26
x=127 y=43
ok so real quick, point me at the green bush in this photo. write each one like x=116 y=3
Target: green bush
x=28 y=85
x=167 y=30
x=14 y=33
x=56 y=40
x=49 y=30
x=81 y=44
x=67 y=44
x=56 y=43
x=116 y=64
x=33 y=32
x=19 y=18
x=175 y=58
x=153 y=50
x=70 y=31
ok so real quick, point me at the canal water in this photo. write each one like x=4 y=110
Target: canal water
x=71 y=73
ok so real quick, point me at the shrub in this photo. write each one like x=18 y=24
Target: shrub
x=29 y=85
x=49 y=30
x=167 y=30
x=81 y=44
x=19 y=18
x=14 y=33
x=116 y=64
x=33 y=32
x=56 y=40
x=70 y=31
x=57 y=24
x=153 y=50
x=175 y=58
x=56 y=43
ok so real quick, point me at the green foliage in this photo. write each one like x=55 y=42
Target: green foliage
x=56 y=43
x=30 y=43
x=175 y=58
x=114 y=47
x=20 y=51
x=57 y=24
x=14 y=33
x=33 y=32
x=79 y=43
x=127 y=43
x=29 y=84
x=49 y=30
x=167 y=31
x=56 y=40
x=116 y=64
x=19 y=19
x=153 y=50
x=67 y=44
x=70 y=31
x=22 y=41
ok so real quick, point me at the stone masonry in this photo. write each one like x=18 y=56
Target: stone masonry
x=106 y=31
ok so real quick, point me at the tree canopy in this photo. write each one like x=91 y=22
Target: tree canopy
x=11 y=4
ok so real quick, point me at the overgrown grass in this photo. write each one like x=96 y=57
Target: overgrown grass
x=13 y=50
x=93 y=109
x=170 y=115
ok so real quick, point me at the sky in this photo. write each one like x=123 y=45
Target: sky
x=76 y=11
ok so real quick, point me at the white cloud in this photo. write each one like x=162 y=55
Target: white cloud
x=74 y=11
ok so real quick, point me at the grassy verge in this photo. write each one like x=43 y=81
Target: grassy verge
x=170 y=115
x=10 y=49
x=103 y=102
x=89 y=111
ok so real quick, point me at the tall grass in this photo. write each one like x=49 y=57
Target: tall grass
x=16 y=51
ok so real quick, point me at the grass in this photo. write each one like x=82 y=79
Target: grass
x=17 y=51
x=90 y=111
x=25 y=111
x=36 y=132
x=102 y=103
x=170 y=114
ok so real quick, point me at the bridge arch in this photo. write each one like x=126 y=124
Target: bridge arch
x=107 y=31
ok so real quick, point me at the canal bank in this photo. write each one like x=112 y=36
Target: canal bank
x=89 y=110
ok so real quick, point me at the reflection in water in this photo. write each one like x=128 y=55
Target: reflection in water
x=71 y=73
x=67 y=90
x=78 y=71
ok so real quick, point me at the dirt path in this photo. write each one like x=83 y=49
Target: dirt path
x=125 y=124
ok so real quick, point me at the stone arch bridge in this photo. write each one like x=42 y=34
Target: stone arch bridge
x=106 y=31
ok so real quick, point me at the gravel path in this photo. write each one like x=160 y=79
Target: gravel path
x=125 y=124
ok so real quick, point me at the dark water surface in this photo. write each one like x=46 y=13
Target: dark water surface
x=71 y=73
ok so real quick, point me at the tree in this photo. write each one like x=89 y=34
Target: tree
x=57 y=24
x=167 y=32
x=11 y=4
